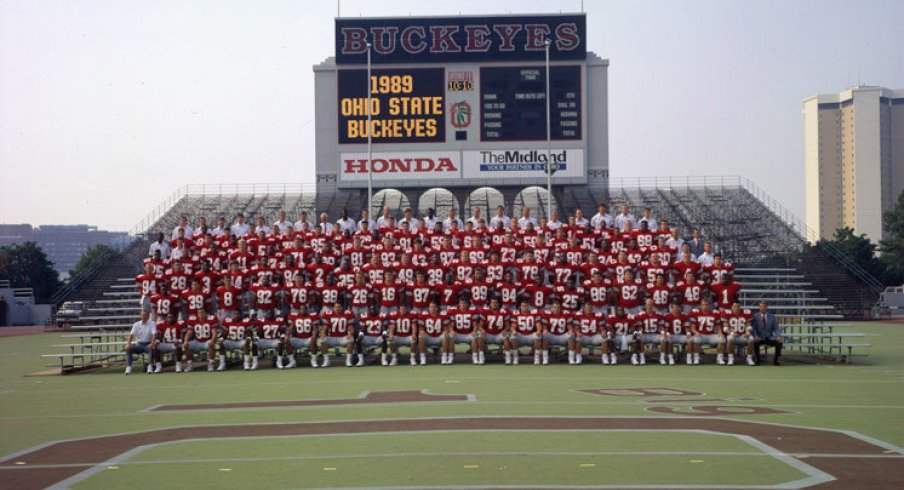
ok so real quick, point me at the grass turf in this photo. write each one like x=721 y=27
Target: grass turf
x=867 y=398
x=488 y=458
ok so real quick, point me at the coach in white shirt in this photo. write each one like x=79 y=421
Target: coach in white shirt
x=579 y=219
x=302 y=220
x=447 y=223
x=554 y=223
x=601 y=218
x=624 y=217
x=383 y=221
x=220 y=230
x=706 y=258
x=139 y=340
x=162 y=245
x=500 y=217
x=240 y=228
x=648 y=218
x=475 y=217
x=345 y=223
x=430 y=220
x=413 y=223
x=674 y=242
x=282 y=223
x=262 y=226
x=526 y=219
x=183 y=224
x=325 y=225
x=365 y=218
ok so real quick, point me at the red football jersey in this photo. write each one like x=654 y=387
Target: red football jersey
x=266 y=296
x=360 y=295
x=676 y=324
x=508 y=294
x=726 y=294
x=337 y=324
x=373 y=325
x=237 y=329
x=597 y=292
x=203 y=330
x=329 y=296
x=403 y=325
x=525 y=323
x=494 y=320
x=707 y=323
x=649 y=323
x=557 y=323
x=479 y=292
x=621 y=325
x=738 y=322
x=629 y=294
x=433 y=325
x=194 y=302
x=462 y=319
x=539 y=295
x=164 y=304
x=148 y=284
x=271 y=329
x=172 y=333
x=228 y=298
x=691 y=293
x=660 y=295
x=589 y=324
x=419 y=296
x=303 y=326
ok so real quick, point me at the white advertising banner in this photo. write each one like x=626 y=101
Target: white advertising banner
x=511 y=164
x=427 y=165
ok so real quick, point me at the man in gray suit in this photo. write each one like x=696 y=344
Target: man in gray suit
x=766 y=330
x=695 y=242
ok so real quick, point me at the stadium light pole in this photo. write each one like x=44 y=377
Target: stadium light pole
x=547 y=43
x=370 y=155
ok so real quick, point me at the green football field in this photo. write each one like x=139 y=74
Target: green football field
x=555 y=426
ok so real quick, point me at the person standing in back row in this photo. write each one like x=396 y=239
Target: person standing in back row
x=766 y=330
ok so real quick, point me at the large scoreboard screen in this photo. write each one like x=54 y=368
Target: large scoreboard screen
x=407 y=105
x=513 y=103
x=460 y=101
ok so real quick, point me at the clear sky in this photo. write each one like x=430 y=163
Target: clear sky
x=107 y=107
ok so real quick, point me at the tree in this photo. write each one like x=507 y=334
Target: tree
x=96 y=254
x=859 y=249
x=892 y=247
x=26 y=266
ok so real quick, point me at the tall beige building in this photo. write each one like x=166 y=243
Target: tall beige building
x=854 y=158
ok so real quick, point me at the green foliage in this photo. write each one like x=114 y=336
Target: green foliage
x=892 y=247
x=26 y=266
x=96 y=254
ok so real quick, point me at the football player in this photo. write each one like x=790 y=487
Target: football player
x=738 y=331
x=201 y=337
x=402 y=330
x=170 y=333
x=302 y=335
x=432 y=330
x=337 y=331
x=526 y=330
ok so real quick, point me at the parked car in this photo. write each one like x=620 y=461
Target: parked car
x=70 y=313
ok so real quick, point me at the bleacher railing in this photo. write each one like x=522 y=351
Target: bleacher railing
x=194 y=190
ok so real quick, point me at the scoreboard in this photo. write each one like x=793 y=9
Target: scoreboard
x=459 y=101
x=407 y=105
x=513 y=103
